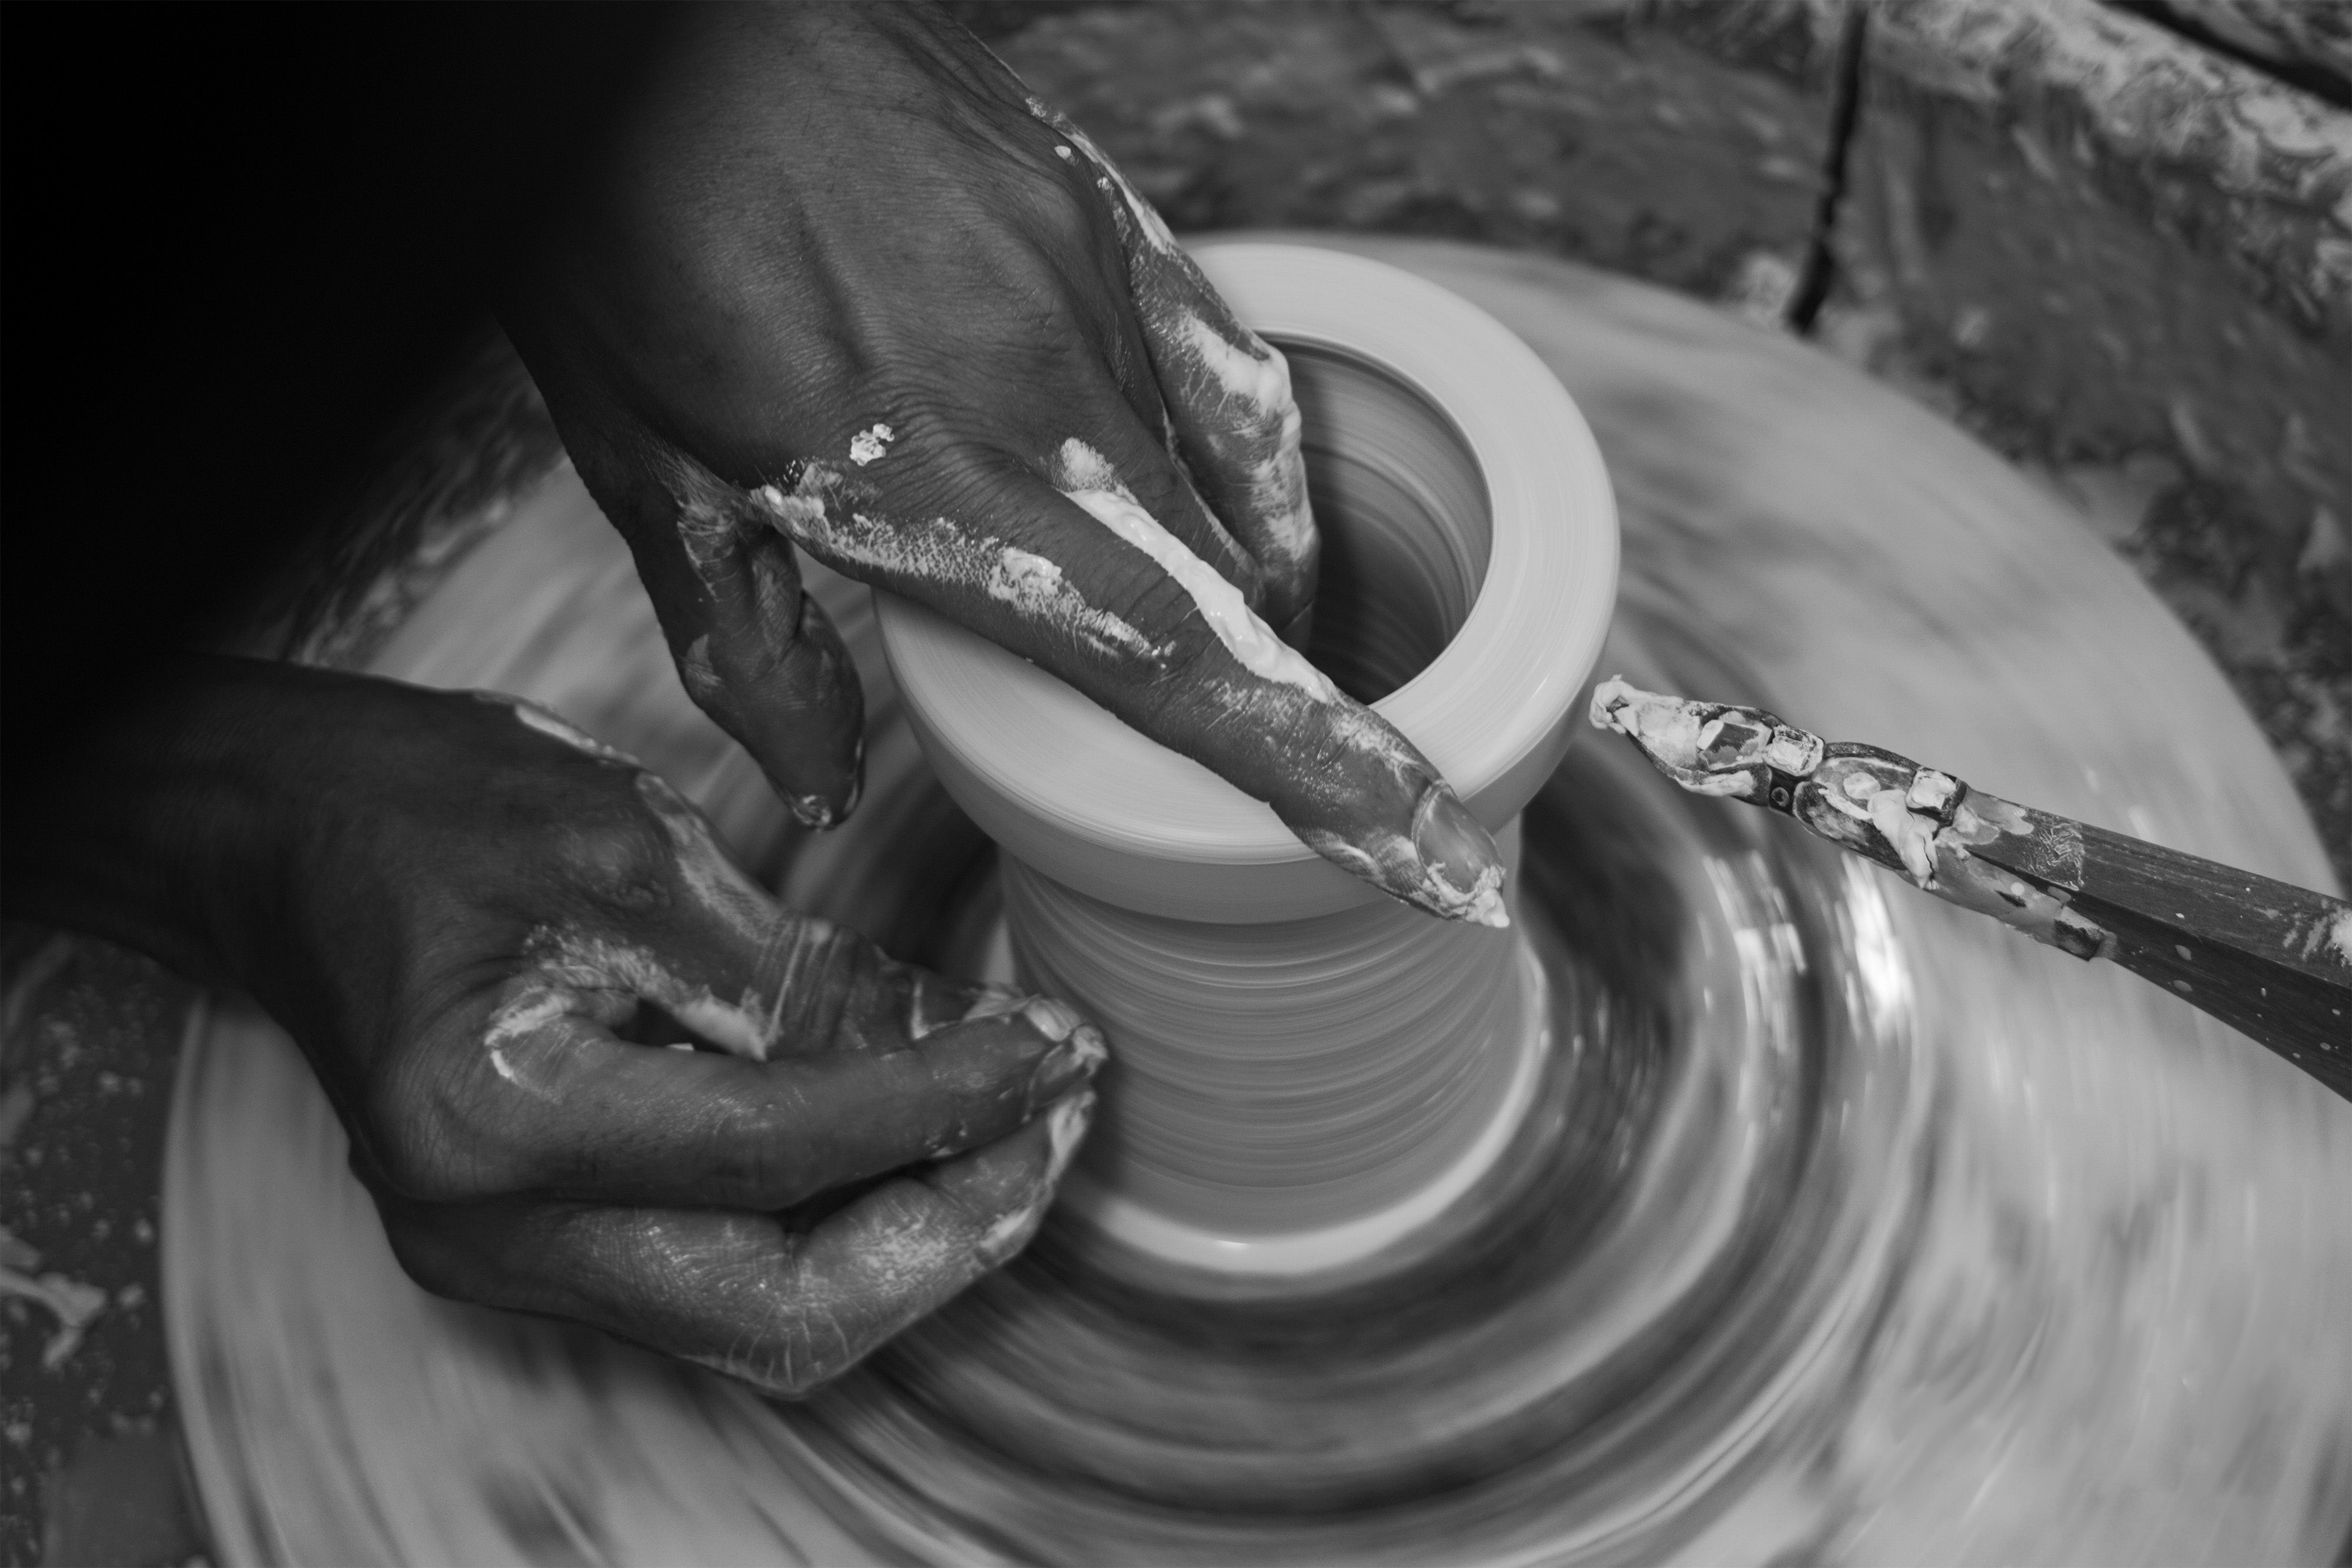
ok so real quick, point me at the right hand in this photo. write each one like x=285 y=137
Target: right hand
x=842 y=285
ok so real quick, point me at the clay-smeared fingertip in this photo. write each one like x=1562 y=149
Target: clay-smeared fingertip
x=1487 y=910
x=1462 y=872
x=1057 y=1021
x=1452 y=843
x=1065 y=1129
x=1483 y=906
x=1070 y=1063
x=1088 y=1047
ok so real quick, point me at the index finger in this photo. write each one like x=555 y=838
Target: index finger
x=1072 y=572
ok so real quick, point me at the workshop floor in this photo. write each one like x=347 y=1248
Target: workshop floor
x=87 y=1438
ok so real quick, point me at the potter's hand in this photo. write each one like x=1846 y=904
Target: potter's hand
x=842 y=283
x=482 y=929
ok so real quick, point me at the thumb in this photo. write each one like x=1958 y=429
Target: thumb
x=754 y=651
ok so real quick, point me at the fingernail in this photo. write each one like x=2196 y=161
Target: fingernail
x=1065 y=1129
x=995 y=1001
x=1463 y=871
x=1072 y=1062
x=1054 y=1019
x=1009 y=1235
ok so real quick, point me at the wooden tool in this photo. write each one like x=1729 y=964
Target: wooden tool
x=2270 y=959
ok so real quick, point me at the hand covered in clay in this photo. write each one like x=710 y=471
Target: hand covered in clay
x=484 y=929
x=841 y=284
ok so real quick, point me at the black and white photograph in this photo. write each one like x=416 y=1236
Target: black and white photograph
x=1176 y=784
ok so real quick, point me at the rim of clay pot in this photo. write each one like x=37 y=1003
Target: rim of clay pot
x=1085 y=799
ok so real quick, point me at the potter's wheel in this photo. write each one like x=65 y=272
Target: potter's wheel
x=1846 y=1223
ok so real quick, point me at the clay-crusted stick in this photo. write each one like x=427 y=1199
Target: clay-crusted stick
x=2269 y=958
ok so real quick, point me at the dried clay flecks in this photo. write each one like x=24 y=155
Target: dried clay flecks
x=1873 y=802
x=1255 y=375
x=1238 y=363
x=1086 y=477
x=1706 y=747
x=1066 y=1128
x=821 y=514
x=581 y=973
x=2329 y=936
x=1126 y=201
x=818 y=512
x=548 y=722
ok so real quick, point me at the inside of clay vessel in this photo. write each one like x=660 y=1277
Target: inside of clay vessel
x=1403 y=518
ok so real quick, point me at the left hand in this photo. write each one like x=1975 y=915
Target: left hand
x=483 y=929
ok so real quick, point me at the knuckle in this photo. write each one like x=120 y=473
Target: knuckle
x=427 y=1259
x=1062 y=209
x=839 y=988
x=620 y=857
x=1185 y=677
x=409 y=1156
x=424 y=1139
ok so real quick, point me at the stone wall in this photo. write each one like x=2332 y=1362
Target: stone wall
x=2126 y=261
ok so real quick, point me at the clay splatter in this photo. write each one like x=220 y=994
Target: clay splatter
x=1256 y=376
x=1178 y=303
x=71 y=1301
x=822 y=514
x=1086 y=477
x=1066 y=1128
x=1444 y=835
x=548 y=722
x=1918 y=820
x=2330 y=935
x=1126 y=204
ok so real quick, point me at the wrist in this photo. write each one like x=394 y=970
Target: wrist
x=163 y=826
